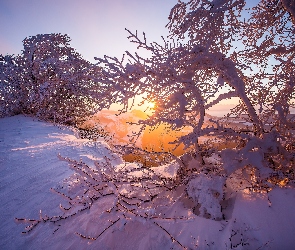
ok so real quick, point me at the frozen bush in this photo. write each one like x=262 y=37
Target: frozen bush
x=50 y=80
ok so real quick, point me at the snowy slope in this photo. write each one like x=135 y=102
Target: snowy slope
x=30 y=167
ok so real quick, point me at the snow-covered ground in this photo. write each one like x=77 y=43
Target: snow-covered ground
x=30 y=167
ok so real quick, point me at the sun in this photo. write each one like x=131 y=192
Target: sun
x=151 y=105
x=139 y=102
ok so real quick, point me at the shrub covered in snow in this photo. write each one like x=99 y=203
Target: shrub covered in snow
x=49 y=80
x=11 y=98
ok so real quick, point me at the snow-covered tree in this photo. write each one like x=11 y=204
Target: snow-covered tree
x=219 y=50
x=58 y=77
x=10 y=86
x=55 y=80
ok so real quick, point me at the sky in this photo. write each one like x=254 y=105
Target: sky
x=96 y=27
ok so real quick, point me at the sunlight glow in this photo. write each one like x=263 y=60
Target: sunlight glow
x=147 y=107
x=151 y=105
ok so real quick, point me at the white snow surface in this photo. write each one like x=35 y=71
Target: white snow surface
x=30 y=167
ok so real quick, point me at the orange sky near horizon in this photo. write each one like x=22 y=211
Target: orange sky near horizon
x=219 y=109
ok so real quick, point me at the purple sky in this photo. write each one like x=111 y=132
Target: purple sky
x=95 y=26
